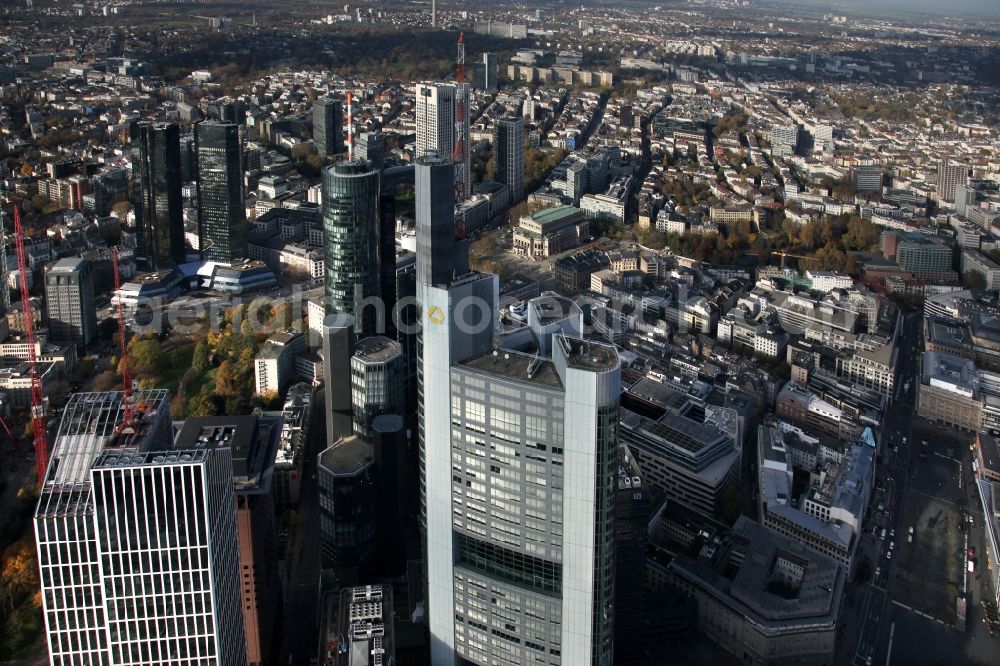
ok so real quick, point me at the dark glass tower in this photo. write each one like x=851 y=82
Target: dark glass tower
x=221 y=216
x=351 y=221
x=328 y=126
x=508 y=147
x=159 y=210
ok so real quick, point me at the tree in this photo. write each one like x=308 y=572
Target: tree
x=227 y=380
x=199 y=359
x=147 y=356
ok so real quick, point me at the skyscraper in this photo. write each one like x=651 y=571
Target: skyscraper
x=69 y=301
x=378 y=381
x=436 y=117
x=371 y=147
x=518 y=459
x=351 y=224
x=950 y=174
x=508 y=151
x=221 y=213
x=159 y=210
x=137 y=541
x=328 y=126
x=491 y=69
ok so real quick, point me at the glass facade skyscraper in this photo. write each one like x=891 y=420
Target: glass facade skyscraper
x=159 y=207
x=328 y=126
x=221 y=213
x=351 y=239
x=508 y=147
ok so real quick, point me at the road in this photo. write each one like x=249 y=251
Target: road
x=878 y=629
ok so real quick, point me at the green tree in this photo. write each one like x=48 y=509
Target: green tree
x=199 y=360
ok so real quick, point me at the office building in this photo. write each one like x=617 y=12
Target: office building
x=351 y=222
x=222 y=227
x=680 y=452
x=784 y=139
x=274 y=365
x=338 y=348
x=328 y=126
x=378 y=381
x=868 y=178
x=69 y=300
x=348 y=506
x=950 y=174
x=159 y=210
x=371 y=146
x=137 y=541
x=491 y=72
x=253 y=441
x=529 y=575
x=508 y=151
x=436 y=120
x=533 y=542
x=949 y=391
x=781 y=605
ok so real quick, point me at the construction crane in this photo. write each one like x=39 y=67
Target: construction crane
x=37 y=395
x=461 y=129
x=122 y=344
x=461 y=126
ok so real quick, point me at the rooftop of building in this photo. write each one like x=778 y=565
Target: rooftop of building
x=549 y=218
x=587 y=354
x=253 y=441
x=67 y=265
x=947 y=333
x=348 y=456
x=516 y=366
x=377 y=349
x=550 y=308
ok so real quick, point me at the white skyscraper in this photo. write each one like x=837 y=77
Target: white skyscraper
x=437 y=120
x=517 y=469
x=137 y=541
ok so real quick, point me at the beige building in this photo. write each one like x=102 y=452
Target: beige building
x=949 y=391
x=550 y=231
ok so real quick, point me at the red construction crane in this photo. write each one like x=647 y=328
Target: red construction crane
x=122 y=343
x=37 y=395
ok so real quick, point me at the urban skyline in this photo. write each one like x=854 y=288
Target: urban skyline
x=499 y=335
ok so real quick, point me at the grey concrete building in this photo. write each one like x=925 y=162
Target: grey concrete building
x=69 y=301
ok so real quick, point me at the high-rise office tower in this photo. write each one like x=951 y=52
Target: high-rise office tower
x=508 y=151
x=518 y=461
x=378 y=381
x=69 y=301
x=436 y=117
x=491 y=70
x=338 y=348
x=328 y=126
x=351 y=223
x=221 y=210
x=137 y=541
x=348 y=506
x=159 y=209
x=371 y=146
x=950 y=174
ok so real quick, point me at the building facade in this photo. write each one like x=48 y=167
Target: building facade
x=508 y=149
x=222 y=227
x=351 y=238
x=159 y=209
x=328 y=126
x=69 y=299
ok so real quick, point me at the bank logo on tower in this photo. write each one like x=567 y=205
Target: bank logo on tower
x=435 y=315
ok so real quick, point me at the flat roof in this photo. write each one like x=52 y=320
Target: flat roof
x=377 y=349
x=348 y=456
x=516 y=366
